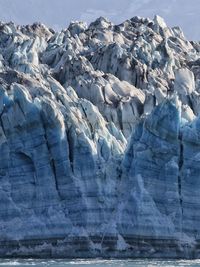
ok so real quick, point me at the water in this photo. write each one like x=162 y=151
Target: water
x=98 y=263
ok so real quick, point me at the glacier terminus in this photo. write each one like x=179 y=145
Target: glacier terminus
x=99 y=140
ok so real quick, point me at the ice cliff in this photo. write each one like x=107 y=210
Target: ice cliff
x=99 y=140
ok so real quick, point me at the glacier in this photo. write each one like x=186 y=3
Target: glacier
x=99 y=140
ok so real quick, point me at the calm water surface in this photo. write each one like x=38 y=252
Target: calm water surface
x=98 y=263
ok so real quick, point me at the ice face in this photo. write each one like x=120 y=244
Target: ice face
x=99 y=139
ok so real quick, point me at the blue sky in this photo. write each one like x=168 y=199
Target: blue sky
x=59 y=13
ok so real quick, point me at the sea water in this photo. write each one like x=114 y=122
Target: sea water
x=99 y=263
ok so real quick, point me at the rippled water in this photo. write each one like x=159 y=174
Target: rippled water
x=98 y=263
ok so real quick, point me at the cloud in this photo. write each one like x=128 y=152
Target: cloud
x=91 y=14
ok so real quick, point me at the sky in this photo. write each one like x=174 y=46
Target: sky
x=58 y=13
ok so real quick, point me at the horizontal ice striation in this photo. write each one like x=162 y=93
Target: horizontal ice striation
x=99 y=140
